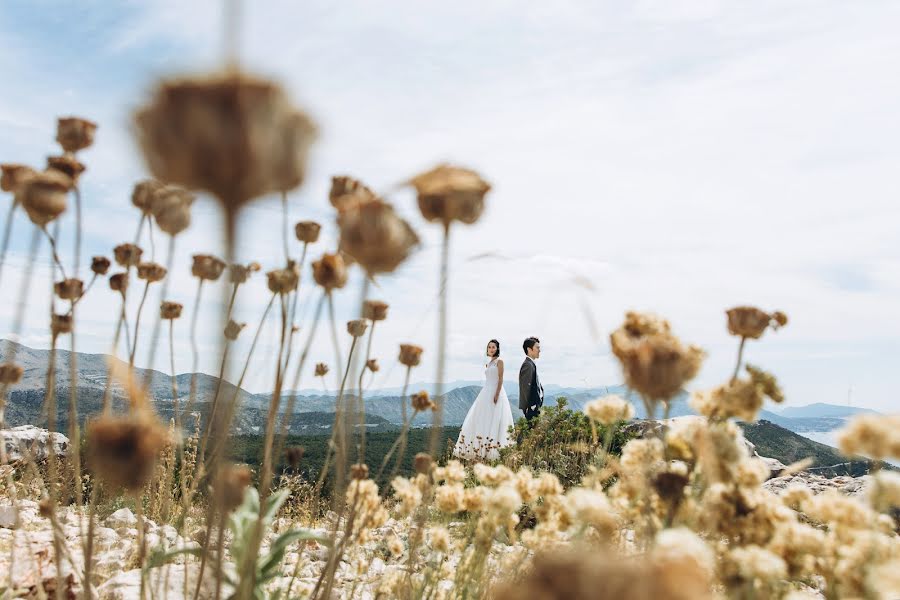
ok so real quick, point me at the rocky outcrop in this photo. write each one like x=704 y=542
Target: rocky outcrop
x=27 y=442
x=851 y=486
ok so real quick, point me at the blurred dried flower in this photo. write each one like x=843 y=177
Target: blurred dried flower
x=421 y=401
x=372 y=365
x=874 y=436
x=127 y=255
x=45 y=508
x=100 y=265
x=231 y=134
x=233 y=329
x=283 y=281
x=69 y=289
x=741 y=398
x=207 y=267
x=347 y=192
x=410 y=355
x=751 y=322
x=43 y=196
x=171 y=207
x=122 y=450
x=294 y=455
x=375 y=310
x=321 y=369
x=330 y=272
x=74 y=133
x=448 y=194
x=66 y=164
x=423 y=463
x=118 y=282
x=307 y=231
x=357 y=328
x=230 y=485
x=373 y=234
x=170 y=310
x=12 y=176
x=60 y=324
x=241 y=273
x=10 y=373
x=151 y=272
x=670 y=485
x=143 y=192
x=609 y=410
x=359 y=471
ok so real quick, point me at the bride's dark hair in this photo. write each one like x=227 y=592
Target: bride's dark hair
x=495 y=342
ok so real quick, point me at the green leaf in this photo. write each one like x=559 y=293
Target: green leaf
x=158 y=557
x=280 y=545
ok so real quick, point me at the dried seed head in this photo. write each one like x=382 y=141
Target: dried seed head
x=241 y=273
x=127 y=255
x=100 y=265
x=448 y=194
x=372 y=365
x=294 y=455
x=118 y=282
x=233 y=329
x=231 y=134
x=670 y=486
x=359 y=471
x=375 y=310
x=307 y=231
x=60 y=324
x=10 y=373
x=230 y=485
x=45 y=508
x=751 y=322
x=283 y=281
x=142 y=194
x=347 y=192
x=609 y=410
x=69 y=289
x=12 y=176
x=171 y=207
x=66 y=164
x=207 y=267
x=421 y=401
x=151 y=272
x=423 y=463
x=122 y=450
x=357 y=328
x=43 y=196
x=75 y=134
x=330 y=271
x=170 y=310
x=373 y=234
x=410 y=355
x=321 y=369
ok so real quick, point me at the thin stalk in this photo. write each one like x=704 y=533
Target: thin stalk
x=154 y=339
x=740 y=358
x=340 y=428
x=361 y=400
x=334 y=336
x=293 y=321
x=438 y=412
x=77 y=258
x=401 y=440
x=223 y=362
x=137 y=324
x=74 y=433
x=7 y=233
x=195 y=353
x=284 y=223
x=107 y=391
x=274 y=405
x=56 y=259
x=52 y=474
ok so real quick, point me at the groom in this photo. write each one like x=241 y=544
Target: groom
x=531 y=392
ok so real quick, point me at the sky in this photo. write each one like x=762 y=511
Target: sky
x=680 y=158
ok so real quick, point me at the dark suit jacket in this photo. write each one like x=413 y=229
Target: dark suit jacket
x=529 y=391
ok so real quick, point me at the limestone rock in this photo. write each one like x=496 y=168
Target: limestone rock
x=27 y=441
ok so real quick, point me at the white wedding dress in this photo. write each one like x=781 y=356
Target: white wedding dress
x=486 y=428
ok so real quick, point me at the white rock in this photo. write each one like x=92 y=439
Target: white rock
x=122 y=519
x=162 y=582
x=8 y=517
x=27 y=441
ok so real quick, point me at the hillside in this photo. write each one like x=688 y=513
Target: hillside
x=774 y=441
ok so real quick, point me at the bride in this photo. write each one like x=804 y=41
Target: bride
x=485 y=429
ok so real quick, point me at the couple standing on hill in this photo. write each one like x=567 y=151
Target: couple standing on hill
x=486 y=427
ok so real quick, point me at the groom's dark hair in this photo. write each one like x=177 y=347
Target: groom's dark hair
x=529 y=343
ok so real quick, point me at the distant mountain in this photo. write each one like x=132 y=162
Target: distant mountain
x=820 y=409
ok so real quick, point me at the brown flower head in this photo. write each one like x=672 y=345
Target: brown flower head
x=357 y=328
x=151 y=272
x=10 y=373
x=372 y=365
x=43 y=196
x=45 y=510
x=448 y=194
x=122 y=450
x=69 y=289
x=118 y=282
x=100 y=265
x=283 y=281
x=751 y=322
x=321 y=369
x=171 y=207
x=423 y=463
x=170 y=310
x=373 y=234
x=655 y=362
x=330 y=272
x=359 y=471
x=61 y=324
x=74 y=133
x=230 y=484
x=127 y=255
x=142 y=194
x=241 y=273
x=347 y=192
x=421 y=401
x=375 y=310
x=233 y=329
x=231 y=134
x=207 y=267
x=294 y=455
x=307 y=231
x=12 y=176
x=410 y=355
x=670 y=486
x=66 y=164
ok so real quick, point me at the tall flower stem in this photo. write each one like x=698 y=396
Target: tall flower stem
x=78 y=227
x=74 y=433
x=137 y=324
x=438 y=416
x=740 y=358
x=361 y=400
x=7 y=234
x=195 y=353
x=401 y=439
x=338 y=363
x=52 y=468
x=154 y=338
x=54 y=252
x=274 y=405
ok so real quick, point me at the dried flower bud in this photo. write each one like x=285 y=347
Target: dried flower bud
x=609 y=410
x=170 y=310
x=373 y=234
x=372 y=365
x=780 y=318
x=283 y=281
x=233 y=329
x=66 y=164
x=321 y=369
x=233 y=135
x=375 y=310
x=230 y=485
x=122 y=450
x=60 y=324
x=171 y=207
x=670 y=486
x=241 y=273
x=347 y=192
x=410 y=355
x=751 y=322
x=359 y=471
x=69 y=289
x=10 y=373
x=12 y=176
x=119 y=282
x=421 y=401
x=207 y=267
x=448 y=193
x=100 y=265
x=422 y=463
x=294 y=455
x=151 y=272
x=307 y=231
x=45 y=508
x=357 y=328
x=142 y=194
x=75 y=134
x=330 y=272
x=127 y=255
x=43 y=196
